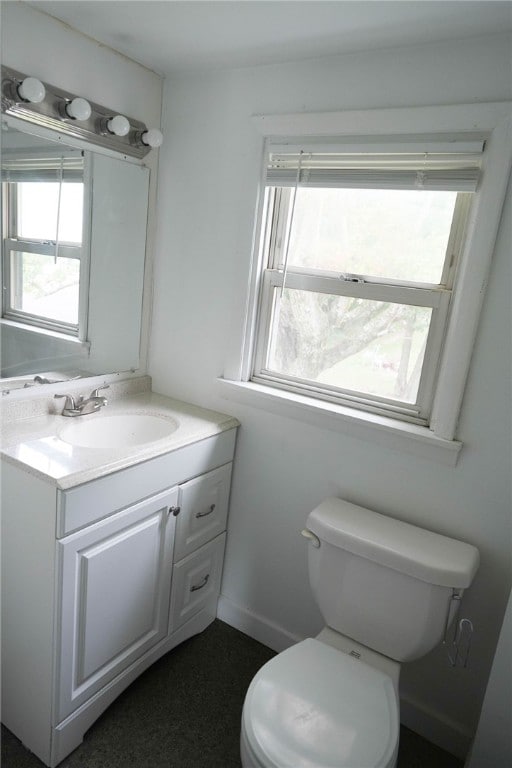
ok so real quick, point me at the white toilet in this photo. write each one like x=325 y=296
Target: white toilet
x=388 y=592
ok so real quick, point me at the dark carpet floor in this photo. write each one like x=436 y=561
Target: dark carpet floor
x=184 y=712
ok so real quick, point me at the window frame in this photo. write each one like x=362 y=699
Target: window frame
x=13 y=243
x=276 y=230
x=490 y=120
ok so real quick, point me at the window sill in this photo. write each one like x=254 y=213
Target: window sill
x=400 y=436
x=47 y=333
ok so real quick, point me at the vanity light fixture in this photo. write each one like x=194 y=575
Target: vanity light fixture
x=30 y=100
x=78 y=109
x=31 y=89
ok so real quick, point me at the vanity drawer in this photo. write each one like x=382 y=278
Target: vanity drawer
x=196 y=583
x=203 y=504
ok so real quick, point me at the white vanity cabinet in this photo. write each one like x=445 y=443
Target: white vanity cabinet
x=101 y=579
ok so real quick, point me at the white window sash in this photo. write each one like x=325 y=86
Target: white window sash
x=40 y=321
x=361 y=401
x=43 y=247
x=435 y=298
x=12 y=246
x=417 y=296
x=278 y=225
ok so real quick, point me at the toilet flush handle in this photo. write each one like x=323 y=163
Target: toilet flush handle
x=311 y=536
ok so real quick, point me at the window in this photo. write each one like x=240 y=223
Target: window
x=43 y=250
x=464 y=150
x=360 y=248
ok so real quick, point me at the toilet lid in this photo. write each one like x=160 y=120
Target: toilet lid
x=313 y=706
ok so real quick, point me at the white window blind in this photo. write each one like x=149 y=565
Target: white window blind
x=448 y=166
x=33 y=167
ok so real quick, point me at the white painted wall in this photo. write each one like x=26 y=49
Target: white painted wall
x=209 y=172
x=493 y=742
x=37 y=44
x=77 y=63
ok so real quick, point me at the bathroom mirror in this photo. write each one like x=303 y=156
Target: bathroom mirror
x=73 y=253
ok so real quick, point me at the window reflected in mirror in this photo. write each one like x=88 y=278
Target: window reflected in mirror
x=73 y=260
x=43 y=251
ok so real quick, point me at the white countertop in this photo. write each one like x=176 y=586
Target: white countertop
x=34 y=443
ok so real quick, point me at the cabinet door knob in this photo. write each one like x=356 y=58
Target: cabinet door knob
x=174 y=510
x=208 y=511
x=204 y=582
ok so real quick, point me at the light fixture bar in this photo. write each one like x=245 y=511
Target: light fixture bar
x=55 y=111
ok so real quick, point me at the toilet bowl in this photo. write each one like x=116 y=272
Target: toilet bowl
x=313 y=706
x=388 y=592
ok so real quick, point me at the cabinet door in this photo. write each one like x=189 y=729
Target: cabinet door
x=116 y=577
x=203 y=513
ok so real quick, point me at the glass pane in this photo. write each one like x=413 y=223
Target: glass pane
x=395 y=234
x=37 y=211
x=45 y=288
x=372 y=347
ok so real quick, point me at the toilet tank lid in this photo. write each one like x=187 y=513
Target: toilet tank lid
x=414 y=551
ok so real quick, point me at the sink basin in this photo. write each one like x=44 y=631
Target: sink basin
x=120 y=430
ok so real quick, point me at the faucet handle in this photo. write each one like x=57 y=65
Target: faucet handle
x=96 y=392
x=70 y=404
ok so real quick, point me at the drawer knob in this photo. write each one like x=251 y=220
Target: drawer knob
x=174 y=511
x=196 y=587
x=208 y=512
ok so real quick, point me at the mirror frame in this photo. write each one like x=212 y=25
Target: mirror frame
x=54 y=136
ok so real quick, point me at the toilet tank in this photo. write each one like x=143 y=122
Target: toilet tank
x=385 y=583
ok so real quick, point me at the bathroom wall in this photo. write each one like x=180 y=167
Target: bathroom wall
x=210 y=166
x=77 y=63
x=87 y=68
x=493 y=742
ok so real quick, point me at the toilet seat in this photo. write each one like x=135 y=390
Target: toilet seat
x=316 y=707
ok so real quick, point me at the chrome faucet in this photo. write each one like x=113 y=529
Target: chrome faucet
x=80 y=406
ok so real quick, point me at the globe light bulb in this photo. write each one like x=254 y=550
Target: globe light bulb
x=152 y=138
x=118 y=125
x=79 y=109
x=31 y=89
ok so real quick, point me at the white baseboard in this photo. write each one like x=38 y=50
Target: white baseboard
x=256 y=626
x=433 y=726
